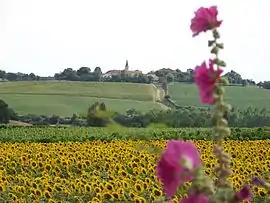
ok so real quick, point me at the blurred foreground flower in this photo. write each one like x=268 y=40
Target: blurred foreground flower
x=196 y=198
x=176 y=165
x=244 y=194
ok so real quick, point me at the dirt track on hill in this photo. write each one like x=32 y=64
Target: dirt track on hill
x=157 y=97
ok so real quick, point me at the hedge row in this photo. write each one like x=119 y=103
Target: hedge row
x=65 y=134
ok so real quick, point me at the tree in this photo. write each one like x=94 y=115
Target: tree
x=83 y=71
x=170 y=77
x=73 y=118
x=4 y=112
x=260 y=84
x=2 y=74
x=150 y=79
x=266 y=85
x=73 y=77
x=57 y=76
x=97 y=115
x=163 y=72
x=12 y=76
x=32 y=76
x=12 y=114
x=96 y=75
x=234 y=77
x=98 y=70
x=244 y=82
x=68 y=74
x=102 y=107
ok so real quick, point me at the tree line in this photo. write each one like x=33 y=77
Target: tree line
x=86 y=74
x=98 y=115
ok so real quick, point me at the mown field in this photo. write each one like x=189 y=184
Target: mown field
x=116 y=169
x=65 y=98
x=67 y=105
x=238 y=96
x=142 y=92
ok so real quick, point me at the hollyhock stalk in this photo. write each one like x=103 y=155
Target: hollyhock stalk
x=223 y=192
x=180 y=162
x=221 y=128
x=211 y=91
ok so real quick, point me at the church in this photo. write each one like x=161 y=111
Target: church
x=126 y=71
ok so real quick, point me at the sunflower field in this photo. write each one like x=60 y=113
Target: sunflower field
x=108 y=171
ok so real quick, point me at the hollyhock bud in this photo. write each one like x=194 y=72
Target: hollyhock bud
x=170 y=169
x=211 y=43
x=214 y=50
x=206 y=78
x=220 y=62
x=205 y=19
x=216 y=34
x=220 y=45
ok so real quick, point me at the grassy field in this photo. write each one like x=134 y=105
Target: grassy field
x=238 y=96
x=141 y=92
x=65 y=98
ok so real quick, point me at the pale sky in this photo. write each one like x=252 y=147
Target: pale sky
x=47 y=36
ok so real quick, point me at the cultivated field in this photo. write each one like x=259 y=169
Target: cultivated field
x=238 y=96
x=101 y=171
x=65 y=98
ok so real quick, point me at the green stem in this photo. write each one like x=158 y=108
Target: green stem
x=221 y=128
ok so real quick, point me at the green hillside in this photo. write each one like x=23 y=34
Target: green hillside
x=65 y=98
x=142 y=92
x=238 y=96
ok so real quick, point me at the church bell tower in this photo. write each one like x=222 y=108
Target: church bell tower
x=126 y=66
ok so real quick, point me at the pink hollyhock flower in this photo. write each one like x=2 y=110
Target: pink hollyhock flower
x=170 y=171
x=206 y=78
x=205 y=19
x=196 y=198
x=243 y=194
